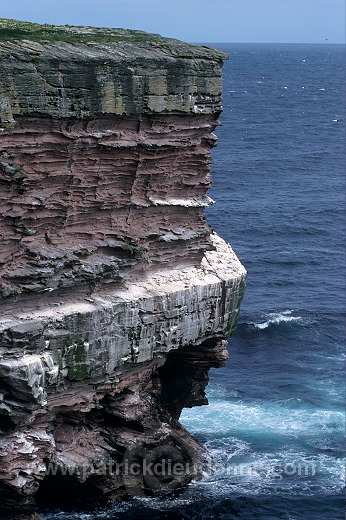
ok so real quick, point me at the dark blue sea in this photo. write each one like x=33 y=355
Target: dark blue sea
x=275 y=425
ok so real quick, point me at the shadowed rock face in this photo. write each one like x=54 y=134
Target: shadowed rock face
x=85 y=455
x=116 y=297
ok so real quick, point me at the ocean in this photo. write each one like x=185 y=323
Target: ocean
x=275 y=425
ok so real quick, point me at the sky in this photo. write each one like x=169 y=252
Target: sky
x=233 y=21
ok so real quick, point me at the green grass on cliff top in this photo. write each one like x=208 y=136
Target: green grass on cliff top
x=15 y=30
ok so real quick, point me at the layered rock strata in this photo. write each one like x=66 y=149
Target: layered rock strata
x=116 y=296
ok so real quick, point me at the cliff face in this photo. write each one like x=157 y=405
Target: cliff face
x=93 y=200
x=116 y=296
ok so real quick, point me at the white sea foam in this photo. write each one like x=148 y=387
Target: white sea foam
x=237 y=418
x=238 y=466
x=288 y=472
x=226 y=449
x=276 y=318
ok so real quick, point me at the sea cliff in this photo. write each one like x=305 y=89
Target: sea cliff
x=116 y=296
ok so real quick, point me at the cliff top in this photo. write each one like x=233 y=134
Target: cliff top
x=82 y=72
x=16 y=31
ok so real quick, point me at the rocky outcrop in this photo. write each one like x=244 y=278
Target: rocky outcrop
x=116 y=296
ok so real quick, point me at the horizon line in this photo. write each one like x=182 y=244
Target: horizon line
x=267 y=43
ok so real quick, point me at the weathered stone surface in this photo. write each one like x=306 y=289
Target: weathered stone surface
x=119 y=72
x=116 y=297
x=47 y=346
x=85 y=201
